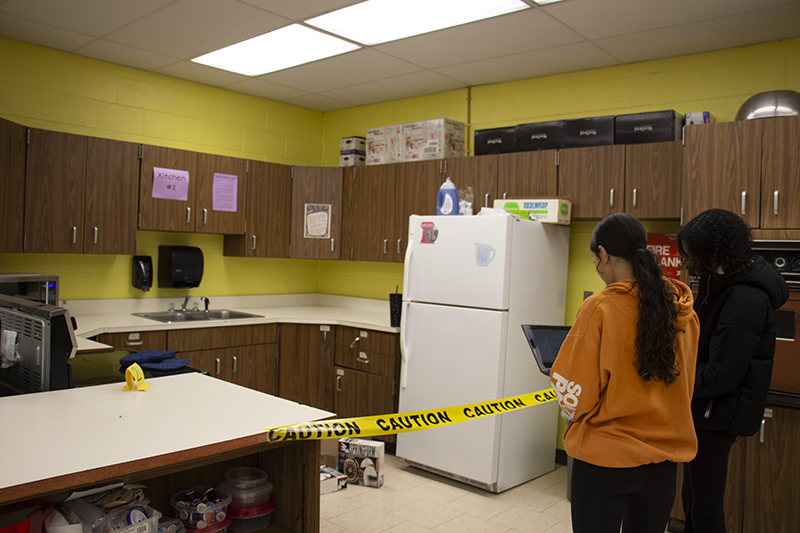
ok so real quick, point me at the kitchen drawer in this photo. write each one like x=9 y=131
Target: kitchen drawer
x=367 y=341
x=135 y=341
x=221 y=337
x=371 y=362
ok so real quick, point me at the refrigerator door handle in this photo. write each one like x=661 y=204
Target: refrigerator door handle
x=403 y=344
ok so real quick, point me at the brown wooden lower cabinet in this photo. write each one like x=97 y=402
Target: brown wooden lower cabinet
x=136 y=341
x=306 y=353
x=361 y=394
x=763 y=490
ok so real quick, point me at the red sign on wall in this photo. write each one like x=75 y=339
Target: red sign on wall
x=665 y=248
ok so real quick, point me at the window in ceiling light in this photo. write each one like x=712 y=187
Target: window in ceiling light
x=283 y=48
x=381 y=21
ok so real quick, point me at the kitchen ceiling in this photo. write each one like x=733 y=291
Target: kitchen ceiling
x=162 y=36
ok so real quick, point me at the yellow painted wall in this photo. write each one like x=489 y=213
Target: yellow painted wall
x=44 y=88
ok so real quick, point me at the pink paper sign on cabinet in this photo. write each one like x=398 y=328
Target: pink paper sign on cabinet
x=170 y=184
x=224 y=195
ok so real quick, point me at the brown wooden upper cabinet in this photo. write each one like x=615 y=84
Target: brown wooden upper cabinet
x=417 y=186
x=780 y=168
x=653 y=180
x=527 y=174
x=172 y=206
x=268 y=207
x=316 y=212
x=369 y=233
x=722 y=168
x=478 y=173
x=221 y=188
x=80 y=194
x=594 y=180
x=12 y=185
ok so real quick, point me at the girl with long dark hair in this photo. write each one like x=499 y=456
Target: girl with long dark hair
x=737 y=294
x=624 y=379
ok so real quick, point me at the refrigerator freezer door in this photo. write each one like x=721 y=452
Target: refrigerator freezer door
x=451 y=356
x=464 y=261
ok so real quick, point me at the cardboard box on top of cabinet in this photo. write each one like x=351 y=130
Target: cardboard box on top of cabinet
x=699 y=117
x=550 y=210
x=361 y=460
x=385 y=145
x=354 y=159
x=347 y=144
x=437 y=138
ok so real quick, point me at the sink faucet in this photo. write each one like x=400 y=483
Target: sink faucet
x=185 y=301
x=205 y=301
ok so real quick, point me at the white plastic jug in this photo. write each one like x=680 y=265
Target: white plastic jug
x=447 y=201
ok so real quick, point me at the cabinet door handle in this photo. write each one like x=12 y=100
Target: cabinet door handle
x=95 y=229
x=611 y=198
x=74 y=234
x=362 y=358
x=338 y=383
x=331 y=245
x=235 y=360
x=128 y=343
x=385 y=246
x=254 y=243
x=504 y=195
x=398 y=246
x=188 y=214
x=775 y=202
x=634 y=196
x=744 y=202
x=767 y=414
x=324 y=339
x=681 y=216
x=217 y=360
x=205 y=215
x=354 y=342
x=486 y=200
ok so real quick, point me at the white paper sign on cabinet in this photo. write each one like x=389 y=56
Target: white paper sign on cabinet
x=317 y=221
x=224 y=193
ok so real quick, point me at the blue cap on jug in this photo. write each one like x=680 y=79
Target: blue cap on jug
x=447 y=201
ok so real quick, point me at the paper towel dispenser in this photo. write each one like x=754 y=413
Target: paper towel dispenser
x=179 y=267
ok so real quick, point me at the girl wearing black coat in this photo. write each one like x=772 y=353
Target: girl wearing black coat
x=737 y=294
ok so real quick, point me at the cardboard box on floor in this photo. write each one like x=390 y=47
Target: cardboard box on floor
x=361 y=460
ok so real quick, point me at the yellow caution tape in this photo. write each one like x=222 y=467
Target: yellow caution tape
x=370 y=426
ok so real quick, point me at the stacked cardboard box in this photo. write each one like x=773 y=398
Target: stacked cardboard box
x=415 y=141
x=385 y=145
x=352 y=151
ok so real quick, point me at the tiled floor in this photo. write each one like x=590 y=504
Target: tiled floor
x=414 y=501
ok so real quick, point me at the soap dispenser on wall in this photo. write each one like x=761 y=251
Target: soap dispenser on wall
x=142 y=272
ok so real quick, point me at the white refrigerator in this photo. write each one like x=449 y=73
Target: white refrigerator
x=469 y=283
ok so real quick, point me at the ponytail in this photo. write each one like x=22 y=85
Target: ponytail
x=622 y=235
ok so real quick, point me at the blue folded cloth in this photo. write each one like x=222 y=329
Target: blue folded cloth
x=166 y=364
x=146 y=356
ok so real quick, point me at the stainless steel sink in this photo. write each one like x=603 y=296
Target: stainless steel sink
x=196 y=316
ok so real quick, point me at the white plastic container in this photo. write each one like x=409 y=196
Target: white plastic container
x=447 y=201
x=253 y=519
x=247 y=497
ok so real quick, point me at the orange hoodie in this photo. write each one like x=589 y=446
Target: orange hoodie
x=618 y=419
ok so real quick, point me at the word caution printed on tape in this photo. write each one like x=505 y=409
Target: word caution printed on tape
x=369 y=426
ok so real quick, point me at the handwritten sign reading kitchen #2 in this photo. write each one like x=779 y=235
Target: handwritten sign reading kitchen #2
x=170 y=184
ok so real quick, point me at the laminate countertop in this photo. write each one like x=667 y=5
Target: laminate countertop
x=95 y=317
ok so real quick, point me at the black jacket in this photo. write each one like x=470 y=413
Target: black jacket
x=736 y=347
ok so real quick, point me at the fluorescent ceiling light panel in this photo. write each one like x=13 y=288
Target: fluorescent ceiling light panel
x=544 y=2
x=283 y=48
x=381 y=21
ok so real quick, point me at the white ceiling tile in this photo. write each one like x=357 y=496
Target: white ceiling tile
x=36 y=33
x=733 y=31
x=596 y=19
x=189 y=28
x=568 y=58
x=406 y=86
x=345 y=70
x=201 y=73
x=318 y=103
x=127 y=56
x=531 y=30
x=90 y=17
x=265 y=89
